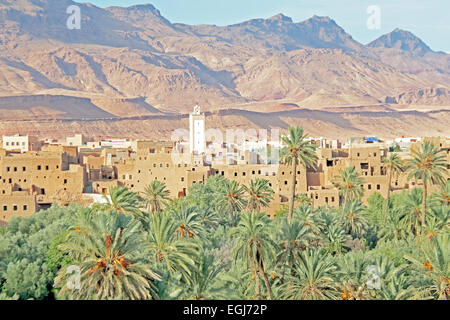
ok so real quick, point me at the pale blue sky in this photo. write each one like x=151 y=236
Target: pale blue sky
x=428 y=19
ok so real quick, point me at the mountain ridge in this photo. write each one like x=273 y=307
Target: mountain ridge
x=127 y=53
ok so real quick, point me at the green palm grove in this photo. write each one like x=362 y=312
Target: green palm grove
x=217 y=242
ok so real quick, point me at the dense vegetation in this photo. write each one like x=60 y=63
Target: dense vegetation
x=217 y=243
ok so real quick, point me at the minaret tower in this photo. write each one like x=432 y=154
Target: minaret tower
x=197 y=141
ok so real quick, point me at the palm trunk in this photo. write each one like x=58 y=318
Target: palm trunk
x=424 y=205
x=254 y=271
x=266 y=280
x=293 y=185
x=386 y=209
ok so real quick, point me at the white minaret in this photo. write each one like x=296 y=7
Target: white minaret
x=197 y=141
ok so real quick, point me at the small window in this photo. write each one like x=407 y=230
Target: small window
x=8 y=169
x=5 y=208
x=378 y=187
x=15 y=207
x=46 y=167
x=25 y=207
x=24 y=169
x=39 y=167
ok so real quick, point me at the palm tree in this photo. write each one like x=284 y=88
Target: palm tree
x=398 y=288
x=297 y=151
x=165 y=247
x=155 y=196
x=188 y=219
x=429 y=165
x=394 y=166
x=205 y=280
x=354 y=218
x=303 y=199
x=349 y=184
x=231 y=199
x=254 y=245
x=443 y=196
x=432 y=268
x=334 y=237
x=313 y=278
x=108 y=250
x=305 y=214
x=393 y=229
x=240 y=280
x=411 y=211
x=121 y=200
x=352 y=275
x=259 y=194
x=384 y=272
x=293 y=238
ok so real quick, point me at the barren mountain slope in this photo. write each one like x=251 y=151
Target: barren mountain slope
x=132 y=62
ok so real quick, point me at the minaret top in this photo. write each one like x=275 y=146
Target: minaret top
x=196 y=110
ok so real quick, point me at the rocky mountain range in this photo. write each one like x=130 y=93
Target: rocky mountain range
x=133 y=62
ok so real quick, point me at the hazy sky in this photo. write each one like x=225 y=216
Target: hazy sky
x=428 y=19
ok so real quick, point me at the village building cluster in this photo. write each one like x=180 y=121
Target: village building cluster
x=34 y=173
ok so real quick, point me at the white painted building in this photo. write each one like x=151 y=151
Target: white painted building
x=77 y=140
x=20 y=143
